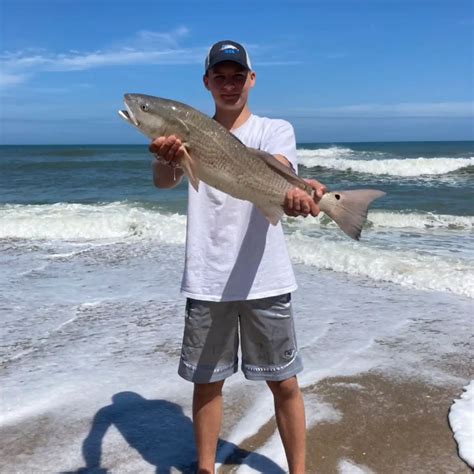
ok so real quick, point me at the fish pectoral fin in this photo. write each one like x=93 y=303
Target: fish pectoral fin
x=272 y=213
x=189 y=167
x=283 y=170
x=183 y=125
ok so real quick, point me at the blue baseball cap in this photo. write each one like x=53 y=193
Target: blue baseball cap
x=227 y=51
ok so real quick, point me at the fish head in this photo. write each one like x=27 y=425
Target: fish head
x=154 y=116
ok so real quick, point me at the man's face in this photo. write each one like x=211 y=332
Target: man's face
x=229 y=84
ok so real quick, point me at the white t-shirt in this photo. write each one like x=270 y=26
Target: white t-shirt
x=232 y=252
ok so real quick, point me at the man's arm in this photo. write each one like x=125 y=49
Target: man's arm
x=299 y=202
x=168 y=152
x=167 y=174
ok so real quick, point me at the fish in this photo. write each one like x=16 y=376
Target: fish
x=216 y=157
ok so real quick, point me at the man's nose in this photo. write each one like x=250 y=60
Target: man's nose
x=229 y=84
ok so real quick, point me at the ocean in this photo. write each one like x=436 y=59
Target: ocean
x=92 y=254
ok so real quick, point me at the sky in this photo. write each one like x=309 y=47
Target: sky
x=339 y=70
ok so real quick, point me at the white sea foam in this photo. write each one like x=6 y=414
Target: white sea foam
x=120 y=220
x=394 y=167
x=407 y=268
x=41 y=404
x=325 y=153
x=418 y=220
x=272 y=449
x=395 y=220
x=316 y=412
x=89 y=222
x=413 y=267
x=345 y=466
x=461 y=419
x=138 y=339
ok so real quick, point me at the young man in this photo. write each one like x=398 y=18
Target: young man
x=238 y=277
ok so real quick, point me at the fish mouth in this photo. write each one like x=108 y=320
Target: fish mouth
x=128 y=116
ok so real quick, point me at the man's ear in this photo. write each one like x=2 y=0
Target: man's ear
x=253 y=78
x=205 y=80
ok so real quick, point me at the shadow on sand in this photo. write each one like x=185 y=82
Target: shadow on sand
x=160 y=432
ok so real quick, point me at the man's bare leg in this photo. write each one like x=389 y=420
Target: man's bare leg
x=289 y=412
x=207 y=414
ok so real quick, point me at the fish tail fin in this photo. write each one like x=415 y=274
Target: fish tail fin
x=350 y=209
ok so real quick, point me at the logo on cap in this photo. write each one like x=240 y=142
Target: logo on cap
x=229 y=48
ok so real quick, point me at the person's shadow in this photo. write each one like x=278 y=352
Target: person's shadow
x=161 y=433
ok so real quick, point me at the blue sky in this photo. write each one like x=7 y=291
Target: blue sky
x=353 y=70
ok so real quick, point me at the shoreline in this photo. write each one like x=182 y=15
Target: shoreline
x=383 y=424
x=388 y=425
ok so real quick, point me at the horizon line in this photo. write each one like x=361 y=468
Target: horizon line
x=297 y=143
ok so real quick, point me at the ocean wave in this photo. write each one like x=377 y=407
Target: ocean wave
x=395 y=220
x=77 y=222
x=394 y=167
x=414 y=220
x=118 y=221
x=331 y=152
x=406 y=268
x=88 y=163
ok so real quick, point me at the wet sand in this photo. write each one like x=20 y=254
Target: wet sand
x=388 y=426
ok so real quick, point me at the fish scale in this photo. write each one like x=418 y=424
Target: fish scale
x=216 y=164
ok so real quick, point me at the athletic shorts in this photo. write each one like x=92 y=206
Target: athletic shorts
x=211 y=340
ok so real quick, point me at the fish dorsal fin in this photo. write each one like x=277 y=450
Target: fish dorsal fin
x=284 y=171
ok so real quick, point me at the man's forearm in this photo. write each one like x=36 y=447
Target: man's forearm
x=284 y=160
x=165 y=176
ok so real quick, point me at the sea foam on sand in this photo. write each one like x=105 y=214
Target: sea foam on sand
x=461 y=419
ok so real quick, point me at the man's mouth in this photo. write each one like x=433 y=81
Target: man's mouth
x=230 y=97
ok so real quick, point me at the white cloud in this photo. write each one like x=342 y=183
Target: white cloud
x=8 y=79
x=404 y=109
x=145 y=47
x=148 y=40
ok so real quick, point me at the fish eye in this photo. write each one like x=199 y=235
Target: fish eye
x=337 y=196
x=145 y=108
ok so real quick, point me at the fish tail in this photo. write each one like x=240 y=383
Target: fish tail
x=349 y=209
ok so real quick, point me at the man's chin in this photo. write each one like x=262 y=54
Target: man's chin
x=232 y=104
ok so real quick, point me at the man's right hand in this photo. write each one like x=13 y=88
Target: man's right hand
x=169 y=149
x=169 y=152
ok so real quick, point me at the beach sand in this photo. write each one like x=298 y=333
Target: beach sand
x=388 y=426
x=391 y=419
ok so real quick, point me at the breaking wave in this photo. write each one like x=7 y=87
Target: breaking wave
x=119 y=221
x=348 y=160
x=397 y=220
x=89 y=222
x=403 y=267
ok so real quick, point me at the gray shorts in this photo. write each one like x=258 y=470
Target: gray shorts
x=211 y=340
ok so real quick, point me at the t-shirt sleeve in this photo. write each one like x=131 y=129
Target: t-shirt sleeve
x=279 y=139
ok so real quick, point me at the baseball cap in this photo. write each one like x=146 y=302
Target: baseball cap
x=227 y=51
